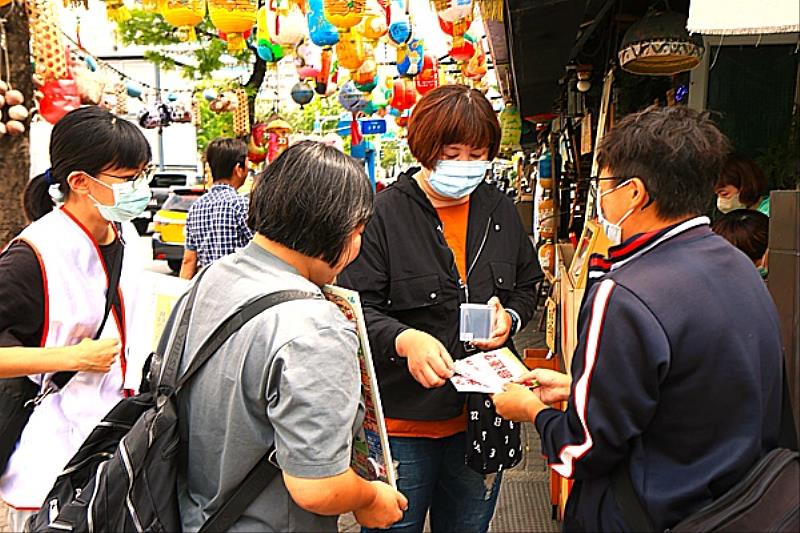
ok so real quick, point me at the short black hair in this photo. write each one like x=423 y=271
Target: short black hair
x=311 y=198
x=88 y=139
x=676 y=151
x=222 y=156
x=746 y=229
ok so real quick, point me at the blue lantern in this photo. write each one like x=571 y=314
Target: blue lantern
x=351 y=98
x=322 y=32
x=411 y=58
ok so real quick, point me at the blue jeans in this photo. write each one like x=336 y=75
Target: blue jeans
x=432 y=475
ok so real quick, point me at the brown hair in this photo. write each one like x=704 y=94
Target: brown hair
x=746 y=229
x=745 y=175
x=452 y=114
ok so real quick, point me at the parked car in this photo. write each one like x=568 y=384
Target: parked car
x=169 y=223
x=160 y=184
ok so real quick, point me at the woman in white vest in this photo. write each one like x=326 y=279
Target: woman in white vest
x=53 y=281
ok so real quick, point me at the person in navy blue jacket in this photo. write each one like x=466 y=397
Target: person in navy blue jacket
x=677 y=372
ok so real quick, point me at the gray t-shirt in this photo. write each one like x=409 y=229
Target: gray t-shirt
x=289 y=376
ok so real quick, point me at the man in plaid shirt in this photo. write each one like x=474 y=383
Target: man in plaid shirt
x=217 y=223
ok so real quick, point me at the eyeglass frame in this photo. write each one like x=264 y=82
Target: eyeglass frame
x=145 y=175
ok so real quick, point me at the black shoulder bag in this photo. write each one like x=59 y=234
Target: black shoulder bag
x=19 y=396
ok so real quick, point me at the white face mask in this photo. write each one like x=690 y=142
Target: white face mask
x=732 y=203
x=613 y=231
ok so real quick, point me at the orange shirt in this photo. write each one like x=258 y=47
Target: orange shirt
x=454 y=224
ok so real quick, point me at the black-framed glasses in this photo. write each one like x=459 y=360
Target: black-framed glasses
x=144 y=175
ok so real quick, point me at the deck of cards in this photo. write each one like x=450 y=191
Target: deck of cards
x=487 y=372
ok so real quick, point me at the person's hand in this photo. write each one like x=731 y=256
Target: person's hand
x=518 y=403
x=500 y=330
x=428 y=360
x=93 y=356
x=386 y=508
x=553 y=386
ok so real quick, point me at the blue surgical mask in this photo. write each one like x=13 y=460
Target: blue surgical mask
x=130 y=200
x=457 y=179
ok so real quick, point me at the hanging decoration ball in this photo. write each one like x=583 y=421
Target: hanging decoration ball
x=172 y=97
x=116 y=11
x=428 y=78
x=351 y=98
x=91 y=64
x=462 y=52
x=366 y=76
x=660 y=45
x=404 y=95
x=234 y=18
x=48 y=51
x=14 y=97
x=410 y=58
x=15 y=127
x=185 y=15
x=18 y=112
x=344 y=14
x=134 y=89
x=400 y=25
x=210 y=95
x=302 y=93
x=322 y=32
x=350 y=50
x=59 y=97
x=287 y=24
x=475 y=68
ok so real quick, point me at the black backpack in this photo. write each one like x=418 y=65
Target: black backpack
x=123 y=477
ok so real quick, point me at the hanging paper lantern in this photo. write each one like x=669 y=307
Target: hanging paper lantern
x=475 y=68
x=404 y=95
x=287 y=25
x=257 y=144
x=48 y=52
x=403 y=119
x=302 y=93
x=121 y=105
x=351 y=98
x=366 y=77
x=374 y=25
x=185 y=15
x=660 y=45
x=344 y=14
x=350 y=50
x=410 y=58
x=510 y=127
x=454 y=10
x=234 y=18
x=428 y=78
x=322 y=32
x=59 y=98
x=462 y=52
x=323 y=84
x=241 y=115
x=133 y=88
x=278 y=131
x=116 y=11
x=400 y=25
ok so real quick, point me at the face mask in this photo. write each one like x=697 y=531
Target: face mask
x=726 y=205
x=457 y=179
x=130 y=200
x=612 y=231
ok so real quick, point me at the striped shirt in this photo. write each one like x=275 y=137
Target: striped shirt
x=217 y=224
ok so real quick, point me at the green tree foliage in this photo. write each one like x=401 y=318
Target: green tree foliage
x=212 y=125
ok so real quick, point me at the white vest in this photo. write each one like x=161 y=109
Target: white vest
x=75 y=282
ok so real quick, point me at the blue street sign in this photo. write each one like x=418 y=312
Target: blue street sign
x=369 y=127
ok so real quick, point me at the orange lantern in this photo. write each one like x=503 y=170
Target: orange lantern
x=428 y=78
x=404 y=95
x=350 y=50
x=234 y=18
x=185 y=15
x=344 y=14
x=374 y=25
x=366 y=73
x=475 y=68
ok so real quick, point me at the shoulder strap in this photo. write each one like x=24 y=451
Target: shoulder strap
x=112 y=296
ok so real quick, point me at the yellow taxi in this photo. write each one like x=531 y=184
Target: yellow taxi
x=169 y=224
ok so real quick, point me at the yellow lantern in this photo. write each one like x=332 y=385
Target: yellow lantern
x=344 y=14
x=350 y=50
x=150 y=6
x=262 y=30
x=233 y=17
x=117 y=11
x=185 y=14
x=374 y=25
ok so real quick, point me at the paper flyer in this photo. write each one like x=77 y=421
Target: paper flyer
x=487 y=372
x=372 y=458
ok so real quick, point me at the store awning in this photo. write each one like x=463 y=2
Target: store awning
x=541 y=34
x=743 y=17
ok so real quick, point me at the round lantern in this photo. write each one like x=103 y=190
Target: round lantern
x=366 y=77
x=351 y=98
x=404 y=95
x=350 y=50
x=454 y=9
x=374 y=25
x=233 y=17
x=475 y=68
x=134 y=89
x=428 y=78
x=463 y=51
x=400 y=25
x=185 y=15
x=660 y=45
x=322 y=32
x=302 y=93
x=344 y=14
x=410 y=58
x=287 y=25
x=59 y=98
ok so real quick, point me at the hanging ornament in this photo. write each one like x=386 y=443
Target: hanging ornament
x=351 y=98
x=210 y=95
x=322 y=32
x=196 y=117
x=59 y=97
x=366 y=77
x=257 y=143
x=410 y=58
x=344 y=14
x=302 y=93
x=374 y=25
x=241 y=115
x=287 y=25
x=116 y=11
x=121 y=105
x=404 y=94
x=463 y=51
x=134 y=89
x=475 y=68
x=400 y=25
x=428 y=78
x=350 y=50
x=265 y=48
x=234 y=18
x=91 y=64
x=48 y=52
x=185 y=15
x=510 y=128
x=323 y=84
x=278 y=131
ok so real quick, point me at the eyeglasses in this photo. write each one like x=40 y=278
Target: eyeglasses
x=143 y=176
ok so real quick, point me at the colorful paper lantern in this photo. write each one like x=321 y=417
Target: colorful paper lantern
x=116 y=11
x=321 y=32
x=428 y=78
x=233 y=17
x=350 y=50
x=366 y=77
x=374 y=25
x=351 y=98
x=475 y=68
x=287 y=24
x=344 y=14
x=302 y=93
x=185 y=15
x=404 y=94
x=59 y=97
x=400 y=25
x=510 y=127
x=453 y=10
x=410 y=58
x=463 y=51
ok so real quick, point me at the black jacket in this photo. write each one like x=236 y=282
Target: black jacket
x=407 y=278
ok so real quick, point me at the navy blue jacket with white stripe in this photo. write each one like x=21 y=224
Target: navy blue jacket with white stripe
x=677 y=371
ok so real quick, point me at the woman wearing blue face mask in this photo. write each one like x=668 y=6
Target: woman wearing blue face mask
x=68 y=277
x=441 y=237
